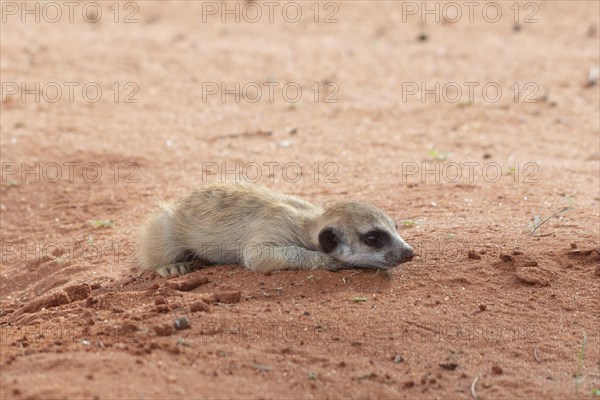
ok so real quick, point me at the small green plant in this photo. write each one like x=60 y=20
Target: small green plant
x=438 y=155
x=465 y=102
x=408 y=223
x=596 y=391
x=101 y=223
x=580 y=359
x=569 y=201
x=359 y=299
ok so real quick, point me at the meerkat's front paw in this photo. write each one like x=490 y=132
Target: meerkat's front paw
x=329 y=263
x=332 y=267
x=335 y=266
x=175 y=269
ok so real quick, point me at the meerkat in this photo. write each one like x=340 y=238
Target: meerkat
x=263 y=230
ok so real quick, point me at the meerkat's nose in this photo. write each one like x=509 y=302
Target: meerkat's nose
x=407 y=253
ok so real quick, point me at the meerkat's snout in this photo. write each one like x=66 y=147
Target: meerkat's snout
x=402 y=253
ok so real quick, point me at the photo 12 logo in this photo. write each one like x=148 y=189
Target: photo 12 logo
x=53 y=92
x=269 y=11
x=253 y=172
x=253 y=92
x=14 y=173
x=468 y=171
x=470 y=11
x=465 y=332
x=88 y=250
x=71 y=11
x=271 y=332
x=469 y=92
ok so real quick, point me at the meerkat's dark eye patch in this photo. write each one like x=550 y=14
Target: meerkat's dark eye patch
x=375 y=238
x=328 y=240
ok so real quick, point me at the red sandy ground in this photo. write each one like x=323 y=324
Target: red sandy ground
x=79 y=319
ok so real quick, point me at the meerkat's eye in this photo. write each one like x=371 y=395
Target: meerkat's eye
x=375 y=238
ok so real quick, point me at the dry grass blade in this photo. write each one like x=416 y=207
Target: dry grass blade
x=473 y=385
x=538 y=225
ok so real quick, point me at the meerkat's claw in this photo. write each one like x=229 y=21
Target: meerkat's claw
x=179 y=268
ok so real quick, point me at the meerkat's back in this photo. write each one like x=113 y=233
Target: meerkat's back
x=217 y=222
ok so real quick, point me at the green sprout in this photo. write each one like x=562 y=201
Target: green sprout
x=101 y=223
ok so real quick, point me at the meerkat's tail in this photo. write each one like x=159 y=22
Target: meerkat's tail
x=157 y=245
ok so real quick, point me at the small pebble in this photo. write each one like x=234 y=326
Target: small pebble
x=398 y=359
x=172 y=348
x=163 y=330
x=199 y=306
x=592 y=30
x=496 y=370
x=423 y=37
x=482 y=307
x=162 y=309
x=188 y=284
x=592 y=79
x=181 y=323
x=228 y=297
x=573 y=245
x=284 y=144
x=473 y=255
x=449 y=366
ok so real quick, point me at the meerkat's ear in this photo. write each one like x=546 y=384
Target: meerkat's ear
x=328 y=239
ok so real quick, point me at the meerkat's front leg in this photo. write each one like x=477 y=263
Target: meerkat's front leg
x=271 y=257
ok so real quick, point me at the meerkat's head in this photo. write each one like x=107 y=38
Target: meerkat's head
x=362 y=235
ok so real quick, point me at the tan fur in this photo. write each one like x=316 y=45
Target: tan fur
x=261 y=229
